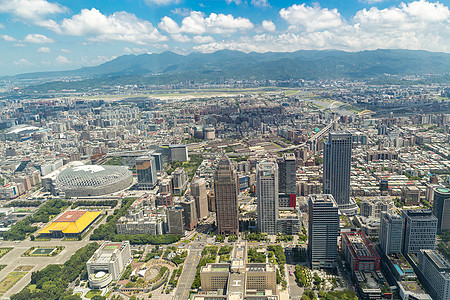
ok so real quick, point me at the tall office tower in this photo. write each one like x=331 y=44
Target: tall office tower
x=323 y=231
x=175 y=220
x=391 y=233
x=146 y=172
x=441 y=208
x=337 y=159
x=267 y=196
x=226 y=192
x=159 y=164
x=419 y=231
x=190 y=213
x=287 y=179
x=198 y=191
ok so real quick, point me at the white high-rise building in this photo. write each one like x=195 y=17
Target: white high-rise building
x=267 y=196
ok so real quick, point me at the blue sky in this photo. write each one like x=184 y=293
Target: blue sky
x=41 y=35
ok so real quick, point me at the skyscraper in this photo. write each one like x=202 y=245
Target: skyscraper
x=175 y=220
x=441 y=208
x=337 y=158
x=419 y=231
x=189 y=214
x=287 y=179
x=391 y=233
x=267 y=196
x=226 y=194
x=323 y=231
x=146 y=172
x=198 y=191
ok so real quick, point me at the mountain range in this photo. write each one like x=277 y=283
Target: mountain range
x=169 y=67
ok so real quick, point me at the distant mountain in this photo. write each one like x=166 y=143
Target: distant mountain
x=169 y=67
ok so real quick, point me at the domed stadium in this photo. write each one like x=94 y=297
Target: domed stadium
x=93 y=180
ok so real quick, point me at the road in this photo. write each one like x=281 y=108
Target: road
x=295 y=291
x=190 y=268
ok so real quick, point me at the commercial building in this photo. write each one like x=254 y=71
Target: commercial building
x=287 y=180
x=179 y=181
x=189 y=213
x=226 y=195
x=178 y=153
x=441 y=208
x=391 y=233
x=141 y=219
x=419 y=231
x=337 y=158
x=108 y=263
x=267 y=196
x=323 y=231
x=175 y=220
x=411 y=195
x=146 y=172
x=72 y=223
x=198 y=191
x=434 y=271
x=239 y=279
x=359 y=252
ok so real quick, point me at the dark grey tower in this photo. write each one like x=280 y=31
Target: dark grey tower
x=337 y=159
x=441 y=208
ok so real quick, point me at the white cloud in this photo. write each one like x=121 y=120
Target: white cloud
x=162 y=2
x=19 y=45
x=8 y=38
x=371 y=1
x=196 y=23
x=199 y=39
x=237 y=2
x=62 y=60
x=416 y=25
x=120 y=26
x=38 y=39
x=268 y=26
x=260 y=3
x=22 y=62
x=66 y=51
x=181 y=11
x=181 y=38
x=311 y=18
x=34 y=10
x=44 y=50
x=135 y=50
x=2 y=26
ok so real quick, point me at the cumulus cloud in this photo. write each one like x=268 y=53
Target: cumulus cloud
x=38 y=39
x=7 y=38
x=44 y=50
x=197 y=23
x=33 y=10
x=268 y=26
x=371 y=1
x=181 y=11
x=237 y=2
x=260 y=3
x=311 y=18
x=199 y=39
x=416 y=25
x=22 y=62
x=120 y=26
x=62 y=60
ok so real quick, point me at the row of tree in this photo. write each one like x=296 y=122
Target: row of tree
x=52 y=281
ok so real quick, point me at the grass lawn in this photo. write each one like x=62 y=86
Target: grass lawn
x=93 y=293
x=10 y=280
x=3 y=251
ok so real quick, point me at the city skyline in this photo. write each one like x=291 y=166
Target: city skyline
x=41 y=35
